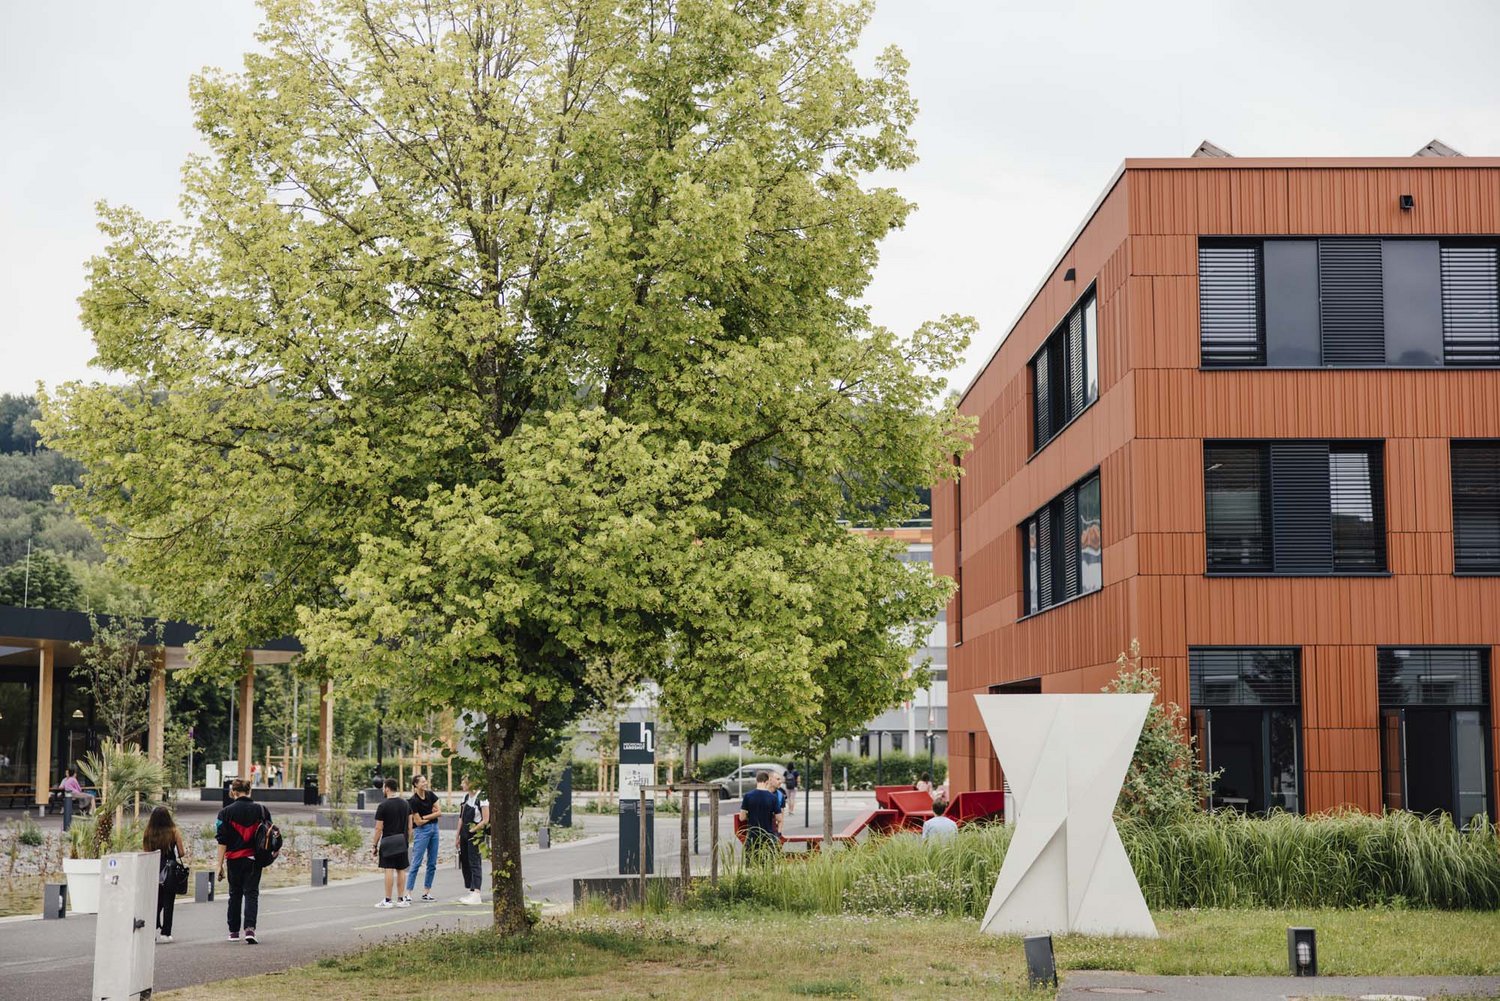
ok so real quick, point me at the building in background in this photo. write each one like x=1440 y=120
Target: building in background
x=1252 y=418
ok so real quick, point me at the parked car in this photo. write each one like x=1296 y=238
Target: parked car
x=742 y=780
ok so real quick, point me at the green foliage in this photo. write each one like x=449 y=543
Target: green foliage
x=896 y=767
x=1164 y=781
x=113 y=670
x=347 y=837
x=28 y=831
x=42 y=580
x=1196 y=860
x=121 y=774
x=18 y=415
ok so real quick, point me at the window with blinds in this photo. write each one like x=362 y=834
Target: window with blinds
x=1294 y=507
x=1065 y=372
x=1231 y=676
x=1432 y=677
x=1062 y=547
x=1229 y=304
x=1471 y=304
x=1476 y=506
x=1349 y=301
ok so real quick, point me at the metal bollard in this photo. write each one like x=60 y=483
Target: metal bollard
x=203 y=887
x=55 y=900
x=67 y=810
x=359 y=801
x=544 y=837
x=320 y=872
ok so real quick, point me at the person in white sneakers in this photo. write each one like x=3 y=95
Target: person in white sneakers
x=473 y=812
x=393 y=842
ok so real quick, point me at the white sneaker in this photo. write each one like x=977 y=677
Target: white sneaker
x=385 y=903
x=471 y=899
x=163 y=939
x=404 y=902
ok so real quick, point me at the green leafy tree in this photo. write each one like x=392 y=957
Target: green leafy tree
x=1164 y=781
x=870 y=611
x=505 y=342
x=42 y=580
x=114 y=668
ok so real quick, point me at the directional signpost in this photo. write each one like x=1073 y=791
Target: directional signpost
x=637 y=769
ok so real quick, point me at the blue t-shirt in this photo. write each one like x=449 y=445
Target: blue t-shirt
x=761 y=807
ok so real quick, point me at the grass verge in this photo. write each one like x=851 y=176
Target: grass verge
x=754 y=953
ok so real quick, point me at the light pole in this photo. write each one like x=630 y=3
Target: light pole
x=879 y=757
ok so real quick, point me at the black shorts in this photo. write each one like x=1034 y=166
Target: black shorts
x=402 y=861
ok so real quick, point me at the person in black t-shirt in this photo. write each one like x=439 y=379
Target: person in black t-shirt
x=760 y=811
x=425 y=810
x=392 y=841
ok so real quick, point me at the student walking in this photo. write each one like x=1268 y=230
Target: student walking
x=236 y=827
x=793 y=779
x=393 y=823
x=473 y=811
x=163 y=836
x=425 y=811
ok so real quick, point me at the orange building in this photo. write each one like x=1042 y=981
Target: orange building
x=1252 y=418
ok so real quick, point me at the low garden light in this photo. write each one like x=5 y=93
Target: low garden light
x=1041 y=967
x=1302 y=951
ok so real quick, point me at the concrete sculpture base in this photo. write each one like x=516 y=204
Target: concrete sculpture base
x=1065 y=757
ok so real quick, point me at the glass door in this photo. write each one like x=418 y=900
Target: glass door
x=1393 y=758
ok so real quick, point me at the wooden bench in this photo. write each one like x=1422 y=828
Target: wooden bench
x=23 y=791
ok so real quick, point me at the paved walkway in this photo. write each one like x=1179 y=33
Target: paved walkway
x=1091 y=986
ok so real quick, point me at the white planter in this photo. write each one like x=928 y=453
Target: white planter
x=83 y=885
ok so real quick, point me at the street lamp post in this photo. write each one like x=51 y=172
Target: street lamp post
x=879 y=757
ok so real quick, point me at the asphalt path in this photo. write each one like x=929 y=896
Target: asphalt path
x=54 y=959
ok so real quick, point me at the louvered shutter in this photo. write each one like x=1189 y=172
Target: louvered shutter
x=1041 y=401
x=1229 y=315
x=1044 y=558
x=1476 y=507
x=1301 y=523
x=1428 y=677
x=1356 y=507
x=1068 y=543
x=1221 y=676
x=1471 y=305
x=1352 y=301
x=1077 y=388
x=1237 y=508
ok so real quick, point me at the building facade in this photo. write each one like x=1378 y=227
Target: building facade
x=1252 y=419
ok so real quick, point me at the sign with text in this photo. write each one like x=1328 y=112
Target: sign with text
x=637 y=768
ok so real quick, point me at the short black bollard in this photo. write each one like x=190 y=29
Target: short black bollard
x=1041 y=967
x=320 y=872
x=544 y=837
x=203 y=887
x=1302 y=951
x=67 y=810
x=359 y=801
x=55 y=900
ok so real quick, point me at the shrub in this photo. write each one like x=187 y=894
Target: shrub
x=1164 y=781
x=347 y=838
x=29 y=833
x=1199 y=860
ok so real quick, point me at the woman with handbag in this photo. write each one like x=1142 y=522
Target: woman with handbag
x=163 y=836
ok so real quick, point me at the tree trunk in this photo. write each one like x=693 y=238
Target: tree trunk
x=828 y=800
x=682 y=803
x=505 y=742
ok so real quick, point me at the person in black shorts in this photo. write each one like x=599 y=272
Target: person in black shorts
x=393 y=842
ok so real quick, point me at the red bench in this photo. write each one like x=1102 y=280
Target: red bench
x=874 y=821
x=978 y=804
x=915 y=807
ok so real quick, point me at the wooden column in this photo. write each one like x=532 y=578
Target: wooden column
x=247 y=717
x=42 y=777
x=157 y=711
x=325 y=737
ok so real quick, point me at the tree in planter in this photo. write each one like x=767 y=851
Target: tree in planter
x=121 y=773
x=506 y=340
x=1164 y=781
x=870 y=613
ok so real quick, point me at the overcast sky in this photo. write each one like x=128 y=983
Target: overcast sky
x=1027 y=109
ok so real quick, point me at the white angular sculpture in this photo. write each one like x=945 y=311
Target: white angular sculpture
x=1065 y=757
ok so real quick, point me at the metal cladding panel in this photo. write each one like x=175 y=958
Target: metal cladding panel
x=1352 y=302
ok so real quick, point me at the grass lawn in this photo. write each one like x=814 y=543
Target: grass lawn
x=759 y=954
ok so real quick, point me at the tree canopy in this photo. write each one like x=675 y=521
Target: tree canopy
x=505 y=340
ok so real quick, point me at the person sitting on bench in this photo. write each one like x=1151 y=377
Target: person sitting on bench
x=71 y=787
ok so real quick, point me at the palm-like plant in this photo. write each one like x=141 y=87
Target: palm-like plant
x=121 y=773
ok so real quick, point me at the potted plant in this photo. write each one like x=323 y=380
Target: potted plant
x=122 y=774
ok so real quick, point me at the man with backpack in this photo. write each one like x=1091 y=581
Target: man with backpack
x=248 y=842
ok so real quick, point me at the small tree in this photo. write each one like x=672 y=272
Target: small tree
x=1164 y=781
x=115 y=673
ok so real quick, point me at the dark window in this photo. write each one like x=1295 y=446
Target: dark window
x=1294 y=507
x=1471 y=304
x=1434 y=731
x=1431 y=677
x=1229 y=282
x=958 y=554
x=1476 y=506
x=1065 y=372
x=1349 y=302
x=1062 y=547
x=1247 y=723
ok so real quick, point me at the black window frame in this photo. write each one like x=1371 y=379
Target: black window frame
x=1201 y=706
x=1293 y=474
x=1456 y=345
x=1058 y=532
x=1470 y=500
x=1060 y=385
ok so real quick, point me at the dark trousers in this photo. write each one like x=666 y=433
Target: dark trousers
x=244 y=888
x=470 y=862
x=165 y=901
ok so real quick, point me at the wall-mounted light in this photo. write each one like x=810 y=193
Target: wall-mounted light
x=1070 y=275
x=1041 y=967
x=78 y=714
x=1302 y=951
x=1408 y=203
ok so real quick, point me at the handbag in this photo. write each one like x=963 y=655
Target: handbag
x=391 y=845
x=174 y=874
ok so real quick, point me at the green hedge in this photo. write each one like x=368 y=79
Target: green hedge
x=1223 y=860
x=895 y=769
